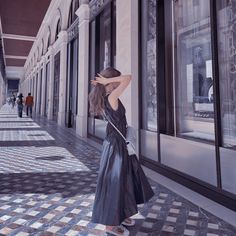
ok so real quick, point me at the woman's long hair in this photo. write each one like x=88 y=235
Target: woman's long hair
x=96 y=96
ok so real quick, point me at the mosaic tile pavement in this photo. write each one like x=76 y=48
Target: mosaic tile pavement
x=47 y=188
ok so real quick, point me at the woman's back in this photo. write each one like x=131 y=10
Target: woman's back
x=117 y=117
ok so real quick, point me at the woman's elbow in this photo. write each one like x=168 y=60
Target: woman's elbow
x=129 y=77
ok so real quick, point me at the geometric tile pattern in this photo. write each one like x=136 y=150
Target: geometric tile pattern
x=47 y=188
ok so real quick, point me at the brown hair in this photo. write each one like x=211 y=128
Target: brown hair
x=96 y=96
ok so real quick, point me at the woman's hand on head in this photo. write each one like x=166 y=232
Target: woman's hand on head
x=100 y=80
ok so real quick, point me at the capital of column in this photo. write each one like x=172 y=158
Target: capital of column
x=42 y=60
x=50 y=50
x=83 y=11
x=38 y=66
x=83 y=2
x=63 y=36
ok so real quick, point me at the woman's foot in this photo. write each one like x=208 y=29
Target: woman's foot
x=117 y=230
x=128 y=222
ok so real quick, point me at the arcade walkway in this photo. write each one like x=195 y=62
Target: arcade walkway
x=47 y=184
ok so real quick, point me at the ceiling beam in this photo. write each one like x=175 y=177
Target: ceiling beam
x=18 y=37
x=15 y=57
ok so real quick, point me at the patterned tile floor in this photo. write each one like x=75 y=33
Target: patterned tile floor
x=47 y=184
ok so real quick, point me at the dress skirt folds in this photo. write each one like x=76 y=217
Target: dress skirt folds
x=122 y=183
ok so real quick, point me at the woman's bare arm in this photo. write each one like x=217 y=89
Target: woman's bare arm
x=123 y=81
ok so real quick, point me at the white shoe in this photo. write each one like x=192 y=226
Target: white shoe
x=125 y=223
x=117 y=233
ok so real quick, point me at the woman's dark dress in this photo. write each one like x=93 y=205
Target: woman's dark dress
x=121 y=182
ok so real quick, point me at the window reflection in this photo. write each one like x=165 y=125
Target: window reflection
x=105 y=38
x=149 y=86
x=227 y=69
x=193 y=62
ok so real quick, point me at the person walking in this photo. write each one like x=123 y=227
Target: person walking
x=13 y=101
x=121 y=183
x=29 y=102
x=20 y=105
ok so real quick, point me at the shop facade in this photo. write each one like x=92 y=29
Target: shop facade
x=182 y=99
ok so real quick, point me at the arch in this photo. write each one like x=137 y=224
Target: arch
x=37 y=54
x=40 y=49
x=47 y=40
x=58 y=29
x=57 y=20
x=35 y=59
x=71 y=16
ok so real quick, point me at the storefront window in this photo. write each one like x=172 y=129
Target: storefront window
x=102 y=55
x=226 y=29
x=72 y=84
x=227 y=69
x=193 y=70
x=105 y=39
x=56 y=85
x=149 y=70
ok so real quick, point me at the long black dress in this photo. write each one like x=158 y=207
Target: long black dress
x=121 y=182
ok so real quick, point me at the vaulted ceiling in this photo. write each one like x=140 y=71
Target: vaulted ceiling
x=20 y=22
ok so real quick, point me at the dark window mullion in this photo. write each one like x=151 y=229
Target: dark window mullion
x=160 y=65
x=216 y=89
x=111 y=32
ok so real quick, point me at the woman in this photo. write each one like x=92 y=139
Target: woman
x=119 y=189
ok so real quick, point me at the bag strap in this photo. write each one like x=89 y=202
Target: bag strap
x=104 y=115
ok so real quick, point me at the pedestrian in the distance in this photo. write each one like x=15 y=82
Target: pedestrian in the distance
x=13 y=100
x=122 y=183
x=29 y=102
x=20 y=103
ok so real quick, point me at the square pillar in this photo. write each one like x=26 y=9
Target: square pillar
x=51 y=83
x=43 y=102
x=34 y=88
x=83 y=67
x=38 y=91
x=63 y=39
x=127 y=48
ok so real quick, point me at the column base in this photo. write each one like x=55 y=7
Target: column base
x=81 y=126
x=61 y=118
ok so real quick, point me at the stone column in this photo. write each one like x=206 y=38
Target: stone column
x=34 y=93
x=83 y=66
x=38 y=91
x=51 y=83
x=29 y=89
x=127 y=56
x=63 y=39
x=2 y=90
x=43 y=102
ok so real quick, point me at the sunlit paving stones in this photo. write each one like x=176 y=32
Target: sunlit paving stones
x=38 y=159
x=18 y=125
x=47 y=186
